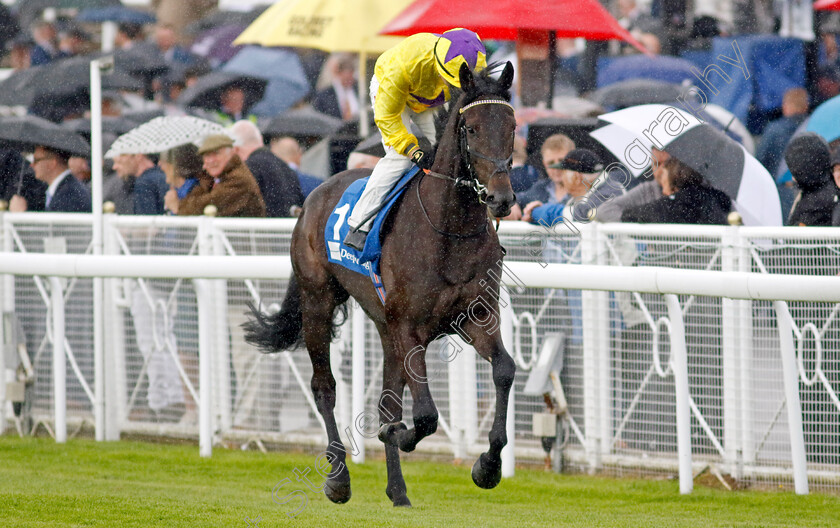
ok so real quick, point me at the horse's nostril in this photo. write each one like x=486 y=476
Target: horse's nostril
x=491 y=198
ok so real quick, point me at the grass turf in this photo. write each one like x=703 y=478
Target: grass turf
x=130 y=484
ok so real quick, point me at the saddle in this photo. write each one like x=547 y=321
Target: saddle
x=364 y=262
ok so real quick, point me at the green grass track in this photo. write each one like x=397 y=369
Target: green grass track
x=134 y=484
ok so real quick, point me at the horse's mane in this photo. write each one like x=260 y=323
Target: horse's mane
x=484 y=85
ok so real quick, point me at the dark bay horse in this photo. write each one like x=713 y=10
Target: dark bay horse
x=439 y=255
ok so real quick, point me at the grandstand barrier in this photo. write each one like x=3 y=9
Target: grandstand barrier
x=747 y=318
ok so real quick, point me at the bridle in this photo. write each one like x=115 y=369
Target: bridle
x=471 y=181
x=502 y=165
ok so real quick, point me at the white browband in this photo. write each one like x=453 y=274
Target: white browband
x=486 y=101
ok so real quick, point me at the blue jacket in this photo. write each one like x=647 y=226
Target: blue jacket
x=149 y=190
x=71 y=196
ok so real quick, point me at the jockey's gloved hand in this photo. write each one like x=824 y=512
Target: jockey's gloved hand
x=421 y=159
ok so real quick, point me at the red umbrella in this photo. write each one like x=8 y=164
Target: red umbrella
x=502 y=19
x=827 y=5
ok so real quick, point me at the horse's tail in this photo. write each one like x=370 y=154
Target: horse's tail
x=279 y=331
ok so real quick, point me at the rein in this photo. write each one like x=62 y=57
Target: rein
x=502 y=165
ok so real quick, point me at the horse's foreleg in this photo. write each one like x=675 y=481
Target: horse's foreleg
x=317 y=318
x=487 y=471
x=390 y=415
x=411 y=353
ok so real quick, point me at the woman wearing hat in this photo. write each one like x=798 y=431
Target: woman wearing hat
x=410 y=79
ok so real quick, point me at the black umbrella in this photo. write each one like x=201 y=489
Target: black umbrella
x=143 y=59
x=372 y=145
x=30 y=10
x=719 y=159
x=27 y=132
x=224 y=18
x=114 y=125
x=635 y=92
x=60 y=79
x=302 y=122
x=207 y=91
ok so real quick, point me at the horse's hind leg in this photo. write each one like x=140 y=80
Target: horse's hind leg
x=390 y=415
x=318 y=305
x=487 y=471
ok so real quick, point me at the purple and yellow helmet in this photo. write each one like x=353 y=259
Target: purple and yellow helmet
x=456 y=47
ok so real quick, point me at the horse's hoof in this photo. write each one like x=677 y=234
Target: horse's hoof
x=402 y=502
x=337 y=492
x=485 y=473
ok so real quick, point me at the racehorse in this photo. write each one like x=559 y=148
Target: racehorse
x=440 y=254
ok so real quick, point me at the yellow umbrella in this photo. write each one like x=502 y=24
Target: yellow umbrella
x=329 y=25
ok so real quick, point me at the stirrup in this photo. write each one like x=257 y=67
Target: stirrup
x=356 y=239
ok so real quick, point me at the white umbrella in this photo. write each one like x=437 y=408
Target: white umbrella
x=723 y=163
x=163 y=133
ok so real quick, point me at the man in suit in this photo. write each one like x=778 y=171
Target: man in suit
x=278 y=183
x=340 y=100
x=65 y=193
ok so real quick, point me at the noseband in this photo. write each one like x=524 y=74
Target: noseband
x=471 y=181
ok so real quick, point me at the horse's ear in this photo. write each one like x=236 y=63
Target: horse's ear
x=466 y=77
x=506 y=79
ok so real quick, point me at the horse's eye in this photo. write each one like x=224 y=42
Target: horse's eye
x=470 y=130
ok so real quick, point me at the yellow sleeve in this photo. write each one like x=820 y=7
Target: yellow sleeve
x=391 y=99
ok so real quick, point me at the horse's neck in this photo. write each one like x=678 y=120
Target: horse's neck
x=452 y=208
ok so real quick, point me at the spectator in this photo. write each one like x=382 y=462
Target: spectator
x=522 y=175
x=288 y=149
x=778 y=133
x=20 y=52
x=9 y=27
x=360 y=160
x=186 y=178
x=80 y=169
x=17 y=177
x=179 y=13
x=550 y=190
x=809 y=159
x=64 y=193
x=277 y=181
x=44 y=50
x=340 y=100
x=835 y=173
x=692 y=201
x=581 y=168
x=234 y=190
x=72 y=42
x=149 y=182
x=645 y=192
x=233 y=107
x=166 y=40
x=128 y=35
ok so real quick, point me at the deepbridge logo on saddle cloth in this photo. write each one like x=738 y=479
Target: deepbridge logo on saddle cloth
x=364 y=262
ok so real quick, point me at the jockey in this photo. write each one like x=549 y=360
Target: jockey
x=410 y=79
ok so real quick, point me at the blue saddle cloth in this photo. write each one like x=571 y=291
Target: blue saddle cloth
x=364 y=262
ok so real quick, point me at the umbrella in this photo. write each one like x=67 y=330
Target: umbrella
x=223 y=18
x=115 y=14
x=114 y=125
x=64 y=78
x=206 y=92
x=658 y=68
x=722 y=162
x=30 y=10
x=329 y=25
x=287 y=82
x=825 y=120
x=827 y=5
x=26 y=132
x=635 y=92
x=502 y=19
x=145 y=60
x=302 y=122
x=163 y=133
x=216 y=44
